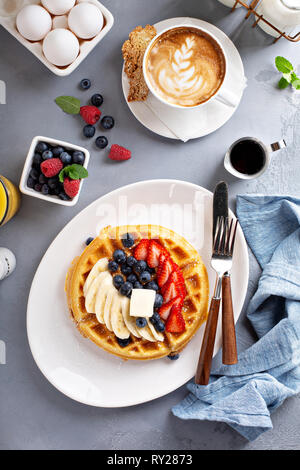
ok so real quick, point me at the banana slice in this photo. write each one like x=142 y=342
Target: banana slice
x=116 y=318
x=92 y=291
x=104 y=287
x=146 y=333
x=158 y=336
x=107 y=308
x=129 y=321
x=99 y=267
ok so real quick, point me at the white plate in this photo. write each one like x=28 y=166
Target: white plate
x=75 y=365
x=9 y=23
x=212 y=116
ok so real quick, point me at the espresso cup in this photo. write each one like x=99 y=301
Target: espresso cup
x=224 y=96
x=249 y=158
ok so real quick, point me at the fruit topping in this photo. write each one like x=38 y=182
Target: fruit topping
x=85 y=84
x=145 y=276
x=47 y=154
x=124 y=342
x=118 y=280
x=119 y=256
x=119 y=153
x=57 y=151
x=91 y=114
x=164 y=271
x=101 y=142
x=71 y=187
x=127 y=240
x=131 y=261
x=41 y=147
x=158 y=301
x=159 y=326
x=89 y=240
x=113 y=266
x=140 y=266
x=78 y=157
x=173 y=357
x=175 y=322
x=166 y=308
x=51 y=167
x=126 y=270
x=141 y=322
x=107 y=122
x=152 y=285
x=155 y=249
x=126 y=289
x=141 y=251
x=65 y=158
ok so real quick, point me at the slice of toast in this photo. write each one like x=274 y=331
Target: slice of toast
x=133 y=53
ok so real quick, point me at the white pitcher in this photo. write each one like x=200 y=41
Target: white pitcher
x=284 y=14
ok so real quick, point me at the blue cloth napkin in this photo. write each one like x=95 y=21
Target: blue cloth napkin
x=245 y=394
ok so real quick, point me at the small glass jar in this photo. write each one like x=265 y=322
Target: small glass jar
x=10 y=199
x=284 y=14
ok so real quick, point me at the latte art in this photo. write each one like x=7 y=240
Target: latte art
x=185 y=66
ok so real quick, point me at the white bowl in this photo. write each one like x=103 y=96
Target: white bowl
x=86 y=46
x=28 y=165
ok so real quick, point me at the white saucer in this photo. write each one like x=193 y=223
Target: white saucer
x=75 y=365
x=213 y=115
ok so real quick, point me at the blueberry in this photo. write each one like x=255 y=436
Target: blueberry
x=126 y=289
x=145 y=276
x=30 y=182
x=141 y=322
x=131 y=278
x=158 y=301
x=78 y=157
x=137 y=285
x=89 y=240
x=127 y=240
x=151 y=270
x=63 y=196
x=118 y=280
x=119 y=256
x=37 y=160
x=57 y=151
x=97 y=100
x=126 y=270
x=34 y=174
x=131 y=261
x=140 y=266
x=89 y=130
x=85 y=84
x=152 y=285
x=53 y=183
x=159 y=326
x=41 y=147
x=38 y=187
x=124 y=342
x=65 y=158
x=107 y=122
x=155 y=318
x=101 y=142
x=45 y=189
x=47 y=154
x=113 y=266
x=173 y=357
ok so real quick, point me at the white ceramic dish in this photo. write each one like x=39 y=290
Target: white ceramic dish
x=210 y=116
x=27 y=167
x=86 y=46
x=75 y=365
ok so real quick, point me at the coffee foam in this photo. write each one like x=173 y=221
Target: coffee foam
x=185 y=66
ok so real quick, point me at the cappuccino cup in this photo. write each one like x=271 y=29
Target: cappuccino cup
x=185 y=67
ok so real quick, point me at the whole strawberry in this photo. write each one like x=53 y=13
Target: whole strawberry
x=51 y=167
x=71 y=187
x=119 y=153
x=90 y=114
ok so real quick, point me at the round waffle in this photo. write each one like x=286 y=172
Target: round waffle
x=195 y=304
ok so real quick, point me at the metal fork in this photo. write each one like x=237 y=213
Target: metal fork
x=221 y=262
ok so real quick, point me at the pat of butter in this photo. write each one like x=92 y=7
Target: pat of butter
x=142 y=302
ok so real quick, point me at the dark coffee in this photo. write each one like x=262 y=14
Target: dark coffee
x=248 y=157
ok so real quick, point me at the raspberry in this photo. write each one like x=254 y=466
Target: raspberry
x=51 y=167
x=119 y=153
x=71 y=187
x=90 y=114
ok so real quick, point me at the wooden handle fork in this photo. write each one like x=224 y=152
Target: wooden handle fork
x=229 y=351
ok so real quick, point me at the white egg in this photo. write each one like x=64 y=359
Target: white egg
x=61 y=47
x=60 y=22
x=85 y=20
x=58 y=7
x=33 y=22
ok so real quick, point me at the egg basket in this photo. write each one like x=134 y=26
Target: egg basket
x=86 y=46
x=252 y=11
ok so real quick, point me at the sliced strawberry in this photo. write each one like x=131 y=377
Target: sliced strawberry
x=164 y=271
x=165 y=309
x=170 y=291
x=154 y=252
x=178 y=280
x=141 y=251
x=175 y=322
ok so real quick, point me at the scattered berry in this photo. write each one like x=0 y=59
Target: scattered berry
x=41 y=147
x=145 y=276
x=66 y=158
x=107 y=122
x=173 y=357
x=141 y=322
x=89 y=240
x=113 y=266
x=118 y=280
x=47 y=154
x=91 y=114
x=119 y=153
x=34 y=174
x=124 y=342
x=85 y=84
x=119 y=256
x=89 y=131
x=101 y=142
x=57 y=151
x=51 y=167
x=78 y=157
x=97 y=99
x=126 y=289
x=127 y=240
x=71 y=187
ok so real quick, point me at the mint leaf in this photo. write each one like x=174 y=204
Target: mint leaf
x=75 y=172
x=68 y=104
x=283 y=83
x=283 y=65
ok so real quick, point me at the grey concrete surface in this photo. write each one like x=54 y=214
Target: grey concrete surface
x=34 y=415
